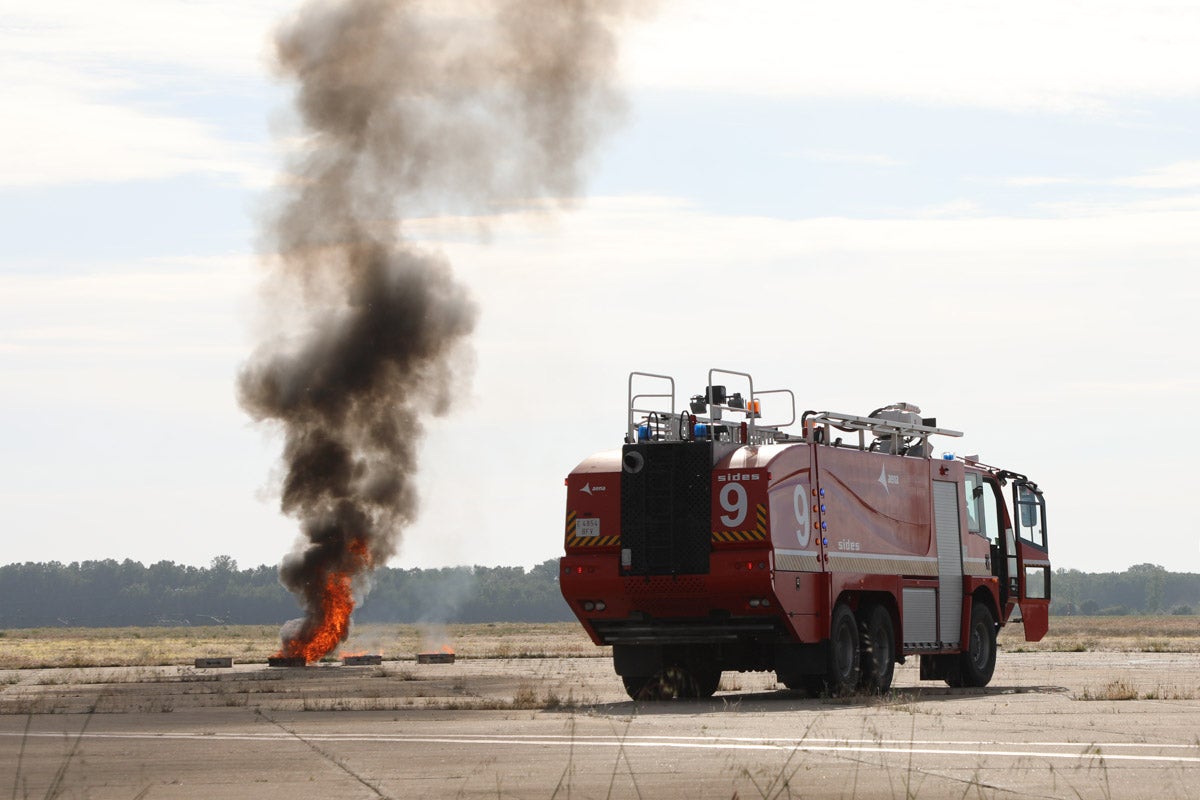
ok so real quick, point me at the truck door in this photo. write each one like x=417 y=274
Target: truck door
x=1033 y=558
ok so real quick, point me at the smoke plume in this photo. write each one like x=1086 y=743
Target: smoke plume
x=406 y=108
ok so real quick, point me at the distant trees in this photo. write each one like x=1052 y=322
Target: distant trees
x=112 y=593
x=1141 y=589
x=117 y=593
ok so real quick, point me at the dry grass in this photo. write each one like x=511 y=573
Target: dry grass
x=1122 y=689
x=1157 y=634
x=1119 y=689
x=248 y=644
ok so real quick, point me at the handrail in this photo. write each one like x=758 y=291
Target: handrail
x=631 y=426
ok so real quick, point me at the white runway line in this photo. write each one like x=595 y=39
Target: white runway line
x=1087 y=751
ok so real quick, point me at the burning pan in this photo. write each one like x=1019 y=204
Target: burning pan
x=435 y=658
x=362 y=661
x=286 y=661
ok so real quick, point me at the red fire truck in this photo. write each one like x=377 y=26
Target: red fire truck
x=715 y=540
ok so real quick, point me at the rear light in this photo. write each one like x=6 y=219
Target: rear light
x=594 y=605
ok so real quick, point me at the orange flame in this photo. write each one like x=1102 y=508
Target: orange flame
x=327 y=627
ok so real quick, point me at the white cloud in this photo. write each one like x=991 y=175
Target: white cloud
x=1182 y=175
x=63 y=135
x=224 y=39
x=1179 y=175
x=1041 y=180
x=1057 y=55
x=162 y=308
x=849 y=157
x=70 y=69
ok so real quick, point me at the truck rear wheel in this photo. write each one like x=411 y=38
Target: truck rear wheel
x=878 y=657
x=843 y=668
x=978 y=661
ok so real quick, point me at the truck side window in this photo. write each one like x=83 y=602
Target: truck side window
x=972 y=498
x=990 y=520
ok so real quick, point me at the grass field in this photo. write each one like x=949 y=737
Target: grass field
x=36 y=648
x=1150 y=634
x=154 y=646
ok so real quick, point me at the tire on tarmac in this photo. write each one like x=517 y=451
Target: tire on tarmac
x=878 y=649
x=673 y=683
x=843 y=665
x=978 y=661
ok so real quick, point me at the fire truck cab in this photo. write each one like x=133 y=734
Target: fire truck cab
x=716 y=539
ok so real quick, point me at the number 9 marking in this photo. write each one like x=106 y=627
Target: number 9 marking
x=800 y=507
x=733 y=500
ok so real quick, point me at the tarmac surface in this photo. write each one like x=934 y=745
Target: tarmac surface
x=1051 y=725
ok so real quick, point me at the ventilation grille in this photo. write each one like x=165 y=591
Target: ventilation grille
x=687 y=585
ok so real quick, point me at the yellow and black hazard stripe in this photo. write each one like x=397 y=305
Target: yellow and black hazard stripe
x=756 y=534
x=593 y=541
x=587 y=541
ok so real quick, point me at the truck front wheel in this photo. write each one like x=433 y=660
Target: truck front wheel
x=978 y=660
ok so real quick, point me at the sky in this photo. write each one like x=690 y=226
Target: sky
x=992 y=211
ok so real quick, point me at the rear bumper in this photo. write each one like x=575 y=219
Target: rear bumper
x=687 y=631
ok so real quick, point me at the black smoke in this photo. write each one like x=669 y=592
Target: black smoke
x=405 y=109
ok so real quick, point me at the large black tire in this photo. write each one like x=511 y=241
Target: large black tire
x=842 y=669
x=878 y=644
x=978 y=659
x=638 y=686
x=673 y=683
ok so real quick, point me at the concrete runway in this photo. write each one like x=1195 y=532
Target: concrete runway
x=406 y=731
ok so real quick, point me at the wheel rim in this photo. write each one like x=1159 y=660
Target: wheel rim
x=882 y=646
x=844 y=648
x=979 y=646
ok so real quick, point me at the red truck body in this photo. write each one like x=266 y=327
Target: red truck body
x=714 y=540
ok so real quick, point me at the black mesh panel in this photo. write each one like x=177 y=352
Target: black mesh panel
x=666 y=507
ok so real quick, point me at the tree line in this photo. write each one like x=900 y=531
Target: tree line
x=1141 y=589
x=119 y=593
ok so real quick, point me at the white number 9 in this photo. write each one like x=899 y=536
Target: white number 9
x=800 y=507
x=733 y=500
